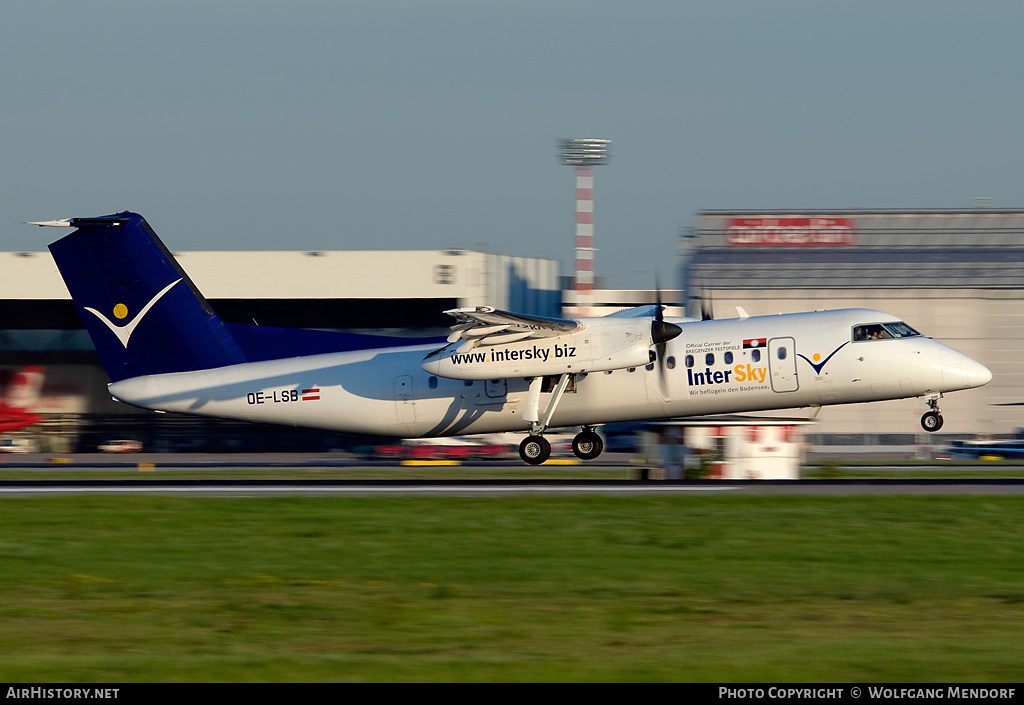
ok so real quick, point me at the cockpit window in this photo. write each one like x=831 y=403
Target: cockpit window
x=883 y=331
x=874 y=331
x=899 y=329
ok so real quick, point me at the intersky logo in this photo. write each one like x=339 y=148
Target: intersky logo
x=819 y=365
x=124 y=333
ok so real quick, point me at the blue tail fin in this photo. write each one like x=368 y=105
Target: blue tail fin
x=144 y=314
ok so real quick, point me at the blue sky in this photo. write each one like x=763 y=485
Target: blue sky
x=367 y=124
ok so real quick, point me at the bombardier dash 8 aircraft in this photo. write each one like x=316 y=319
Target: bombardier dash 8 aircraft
x=165 y=349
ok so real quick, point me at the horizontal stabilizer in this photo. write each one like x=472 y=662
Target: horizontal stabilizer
x=102 y=221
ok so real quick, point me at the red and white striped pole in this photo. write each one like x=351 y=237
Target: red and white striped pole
x=584 y=240
x=584 y=154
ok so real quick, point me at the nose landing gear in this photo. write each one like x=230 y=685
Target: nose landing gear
x=932 y=419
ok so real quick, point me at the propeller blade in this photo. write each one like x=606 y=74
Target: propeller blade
x=659 y=312
x=706 y=308
x=661 y=333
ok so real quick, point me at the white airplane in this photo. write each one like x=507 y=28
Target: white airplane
x=165 y=349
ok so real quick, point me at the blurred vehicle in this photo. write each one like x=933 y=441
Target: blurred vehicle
x=983 y=450
x=20 y=397
x=18 y=445
x=453 y=448
x=621 y=437
x=125 y=445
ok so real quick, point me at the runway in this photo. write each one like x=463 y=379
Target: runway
x=239 y=475
x=454 y=488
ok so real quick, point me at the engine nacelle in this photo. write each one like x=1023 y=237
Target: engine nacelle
x=601 y=345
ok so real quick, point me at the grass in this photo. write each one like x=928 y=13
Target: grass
x=709 y=588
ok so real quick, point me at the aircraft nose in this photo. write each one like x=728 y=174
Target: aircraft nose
x=975 y=373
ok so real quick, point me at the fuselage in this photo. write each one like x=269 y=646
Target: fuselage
x=713 y=367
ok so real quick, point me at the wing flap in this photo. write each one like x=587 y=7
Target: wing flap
x=487 y=324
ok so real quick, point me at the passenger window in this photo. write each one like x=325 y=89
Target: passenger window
x=781 y=353
x=709 y=359
x=670 y=362
x=728 y=358
x=688 y=360
x=755 y=355
x=432 y=382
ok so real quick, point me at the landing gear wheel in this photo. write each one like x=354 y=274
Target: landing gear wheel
x=931 y=421
x=534 y=450
x=587 y=445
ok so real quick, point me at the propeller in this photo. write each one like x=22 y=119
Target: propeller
x=661 y=333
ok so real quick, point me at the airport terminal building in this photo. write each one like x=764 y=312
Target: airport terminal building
x=954 y=275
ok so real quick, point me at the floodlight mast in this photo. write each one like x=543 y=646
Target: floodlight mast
x=584 y=154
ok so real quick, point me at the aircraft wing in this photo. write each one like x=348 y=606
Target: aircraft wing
x=496 y=326
x=643 y=311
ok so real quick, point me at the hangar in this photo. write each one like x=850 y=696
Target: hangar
x=400 y=292
x=954 y=275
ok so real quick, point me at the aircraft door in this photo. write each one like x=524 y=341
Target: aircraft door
x=782 y=364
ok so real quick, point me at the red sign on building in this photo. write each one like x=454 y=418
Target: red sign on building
x=803 y=232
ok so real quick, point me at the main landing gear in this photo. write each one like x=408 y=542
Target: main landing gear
x=586 y=445
x=932 y=419
x=535 y=449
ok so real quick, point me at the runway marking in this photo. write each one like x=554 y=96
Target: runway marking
x=430 y=463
